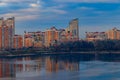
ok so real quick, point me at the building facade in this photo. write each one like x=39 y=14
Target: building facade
x=18 y=42
x=51 y=36
x=56 y=36
x=62 y=35
x=93 y=36
x=113 y=34
x=34 y=39
x=73 y=30
x=7 y=31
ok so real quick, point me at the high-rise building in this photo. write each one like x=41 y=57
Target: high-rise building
x=7 y=31
x=73 y=30
x=113 y=34
x=1 y=27
x=10 y=23
x=55 y=36
x=51 y=36
x=18 y=41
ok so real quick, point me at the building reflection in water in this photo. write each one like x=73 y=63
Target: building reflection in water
x=40 y=66
x=7 y=69
x=51 y=64
x=11 y=68
x=54 y=65
x=27 y=64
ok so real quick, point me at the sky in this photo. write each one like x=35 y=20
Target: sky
x=39 y=15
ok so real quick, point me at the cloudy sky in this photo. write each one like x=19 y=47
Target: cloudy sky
x=34 y=15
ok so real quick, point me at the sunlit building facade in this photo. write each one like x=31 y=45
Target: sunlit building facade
x=28 y=40
x=93 y=36
x=7 y=31
x=51 y=36
x=56 y=36
x=34 y=39
x=113 y=34
x=18 y=41
x=72 y=32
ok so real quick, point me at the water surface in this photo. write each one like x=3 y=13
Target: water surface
x=58 y=68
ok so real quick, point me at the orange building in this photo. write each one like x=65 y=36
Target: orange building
x=18 y=42
x=34 y=39
x=93 y=36
x=10 y=23
x=28 y=40
x=7 y=33
x=39 y=39
x=6 y=37
x=51 y=36
x=1 y=23
x=113 y=34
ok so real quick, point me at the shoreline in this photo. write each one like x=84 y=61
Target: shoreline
x=99 y=54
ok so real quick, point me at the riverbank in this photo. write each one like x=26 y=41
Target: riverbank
x=102 y=55
x=22 y=52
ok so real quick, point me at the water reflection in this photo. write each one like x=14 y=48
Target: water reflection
x=7 y=69
x=53 y=65
x=35 y=66
x=57 y=67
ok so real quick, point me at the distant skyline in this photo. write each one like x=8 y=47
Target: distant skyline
x=34 y=15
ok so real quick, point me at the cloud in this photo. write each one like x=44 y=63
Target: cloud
x=29 y=10
x=3 y=4
x=23 y=14
x=85 y=8
x=58 y=11
x=16 y=1
x=100 y=12
x=54 y=9
x=38 y=3
x=34 y=5
x=20 y=17
x=32 y=11
x=89 y=1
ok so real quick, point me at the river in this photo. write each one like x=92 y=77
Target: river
x=60 y=67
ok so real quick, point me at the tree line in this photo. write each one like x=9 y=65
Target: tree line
x=100 y=45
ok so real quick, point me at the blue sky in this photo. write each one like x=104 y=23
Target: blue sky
x=34 y=15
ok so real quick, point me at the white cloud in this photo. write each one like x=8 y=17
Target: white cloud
x=16 y=1
x=30 y=11
x=23 y=14
x=54 y=10
x=38 y=3
x=85 y=8
x=89 y=1
x=100 y=12
x=58 y=11
x=21 y=17
x=3 y=4
x=34 y=5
